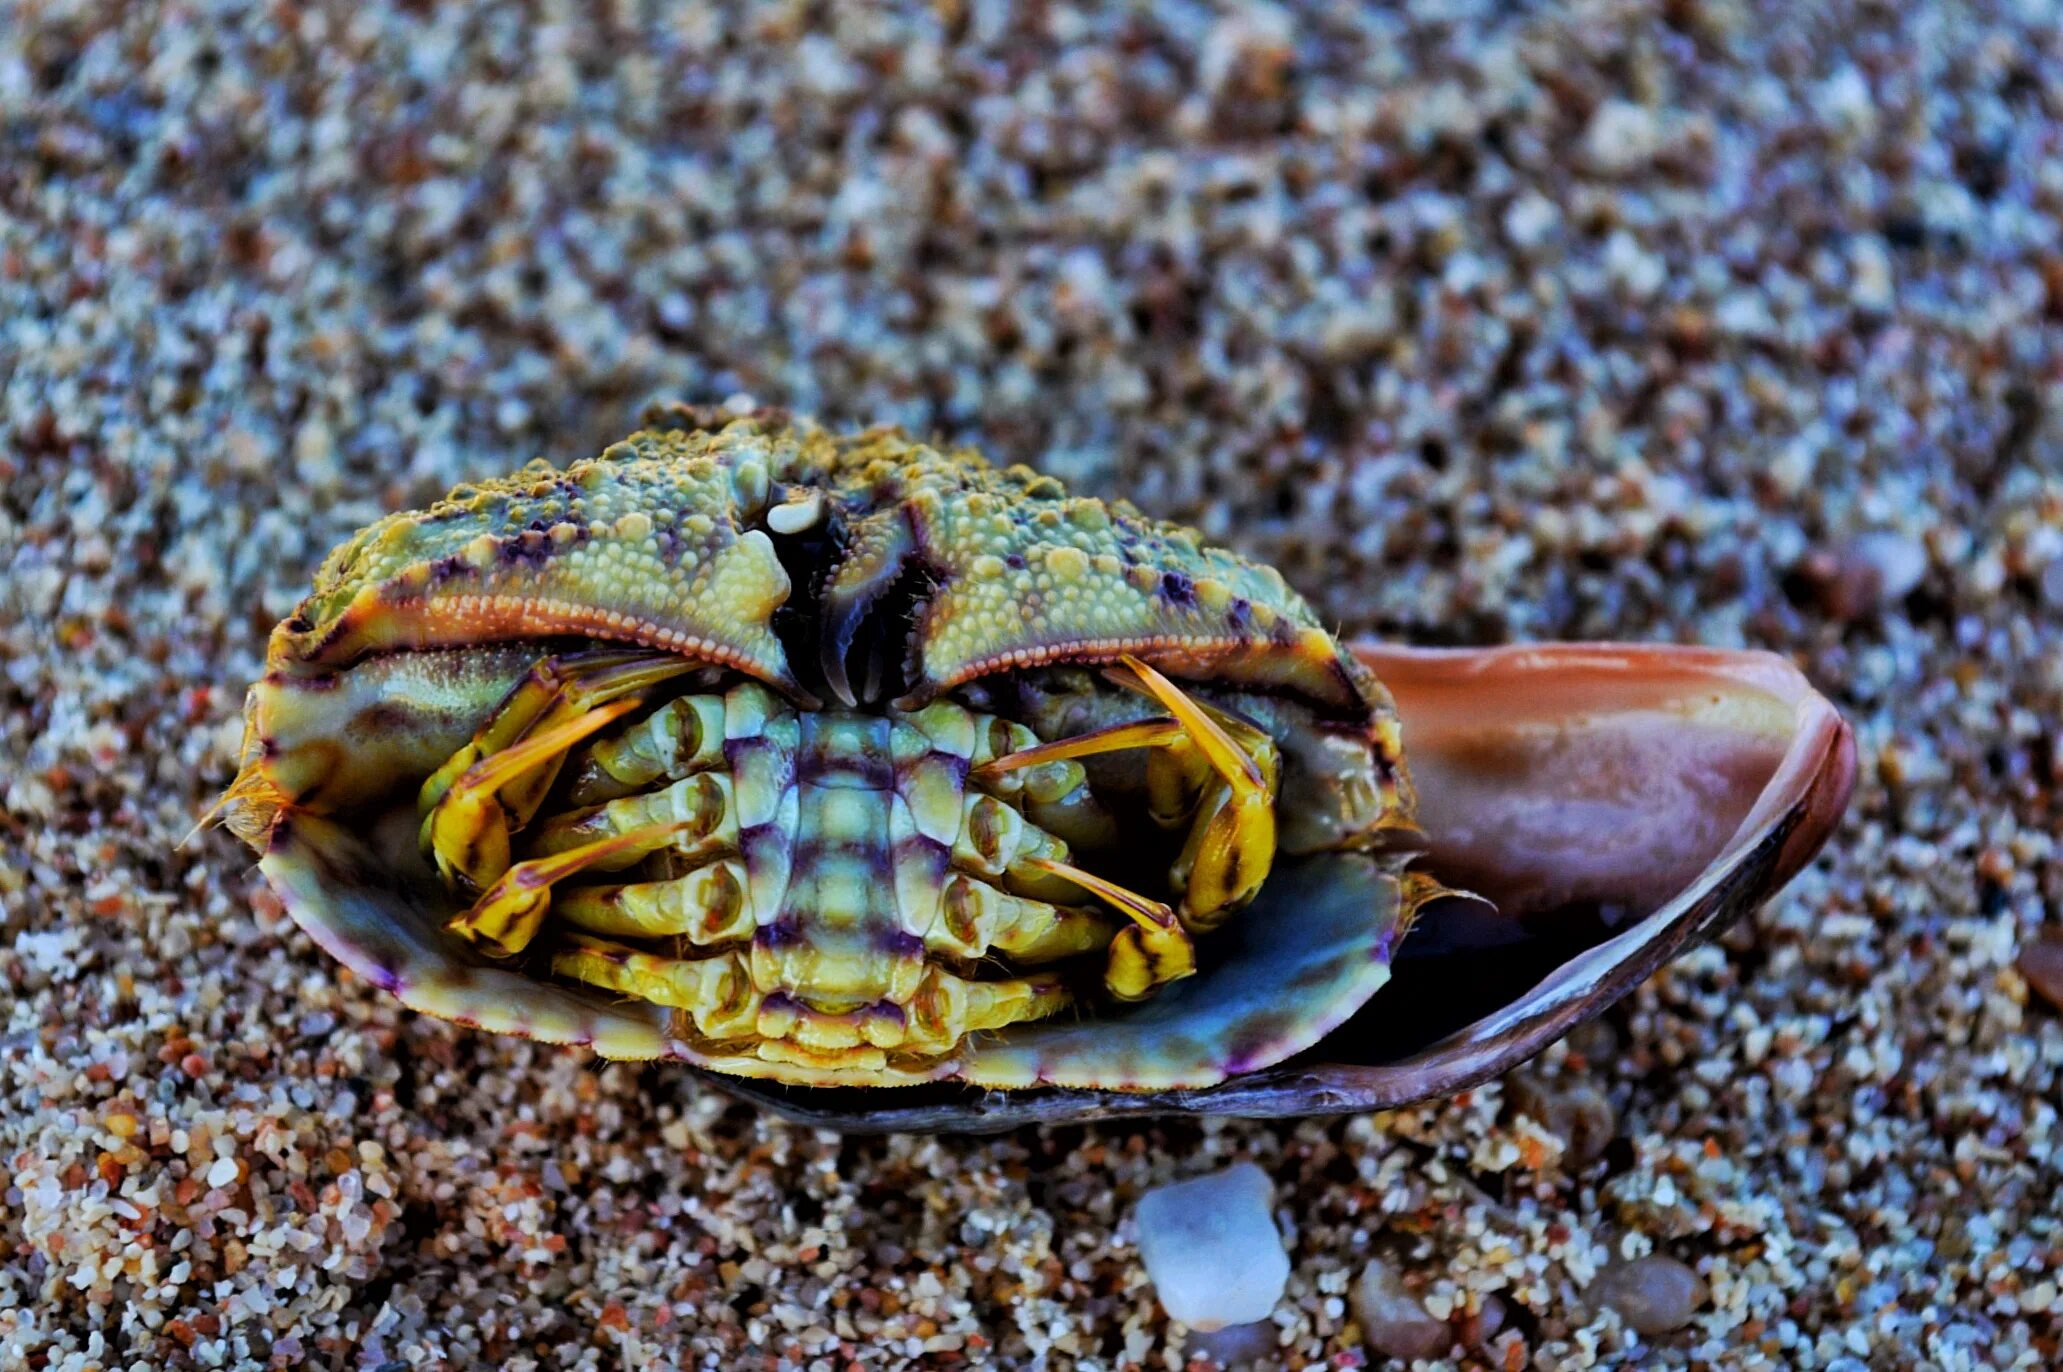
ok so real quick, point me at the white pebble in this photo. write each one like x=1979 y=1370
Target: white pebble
x=1622 y=137
x=1897 y=562
x=222 y=1172
x=1872 y=287
x=1529 y=220
x=1211 y=1248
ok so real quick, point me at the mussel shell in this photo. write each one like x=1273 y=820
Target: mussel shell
x=1615 y=802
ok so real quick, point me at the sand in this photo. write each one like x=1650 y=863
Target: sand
x=1709 y=321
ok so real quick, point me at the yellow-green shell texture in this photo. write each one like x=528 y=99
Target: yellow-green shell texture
x=662 y=541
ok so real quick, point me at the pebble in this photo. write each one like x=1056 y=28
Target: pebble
x=1577 y=1113
x=2041 y=963
x=1391 y=1318
x=1211 y=1247
x=1253 y=1345
x=2052 y=585
x=1622 y=138
x=1655 y=1294
x=1530 y=220
x=1870 y=572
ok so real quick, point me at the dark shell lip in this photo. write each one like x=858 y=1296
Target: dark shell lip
x=1681 y=787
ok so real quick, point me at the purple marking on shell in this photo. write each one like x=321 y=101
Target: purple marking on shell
x=868 y=770
x=326 y=682
x=528 y=548
x=763 y=846
x=919 y=847
x=784 y=932
x=900 y=943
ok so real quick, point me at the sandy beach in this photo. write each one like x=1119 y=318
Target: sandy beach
x=1709 y=321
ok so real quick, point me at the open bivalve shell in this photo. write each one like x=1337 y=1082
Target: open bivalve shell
x=1615 y=803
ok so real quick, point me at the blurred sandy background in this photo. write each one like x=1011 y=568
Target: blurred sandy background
x=1704 y=320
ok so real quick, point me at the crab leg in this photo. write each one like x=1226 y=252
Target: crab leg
x=467 y=830
x=681 y=737
x=706 y=906
x=978 y=919
x=1148 y=953
x=508 y=913
x=556 y=691
x=701 y=805
x=1205 y=763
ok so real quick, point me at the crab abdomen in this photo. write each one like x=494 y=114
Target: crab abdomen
x=870 y=905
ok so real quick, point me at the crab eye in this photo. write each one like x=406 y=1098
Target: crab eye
x=803 y=509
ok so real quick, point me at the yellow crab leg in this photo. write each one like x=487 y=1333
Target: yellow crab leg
x=505 y=918
x=1112 y=738
x=554 y=690
x=824 y=1049
x=1232 y=762
x=1148 y=953
x=1232 y=844
x=467 y=832
x=1232 y=847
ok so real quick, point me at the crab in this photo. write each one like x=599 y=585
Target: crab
x=848 y=761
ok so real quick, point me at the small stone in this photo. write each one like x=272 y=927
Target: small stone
x=315 y=455
x=1578 y=1114
x=2052 y=585
x=2041 y=962
x=1867 y=573
x=222 y=1172
x=1654 y=1294
x=1487 y=1322
x=1529 y=220
x=1639 y=272
x=1211 y=1248
x=1236 y=1345
x=1897 y=562
x=1843 y=101
x=1392 y=1320
x=1872 y=286
x=1622 y=137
